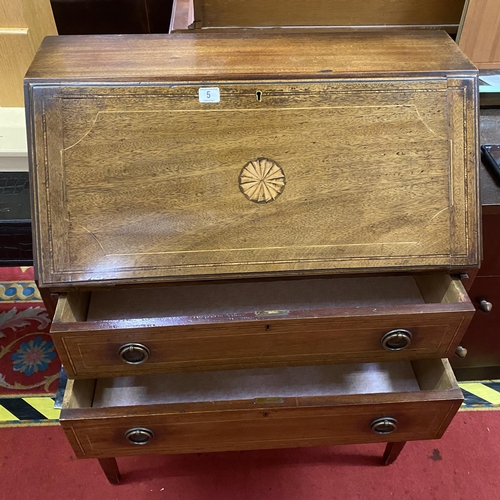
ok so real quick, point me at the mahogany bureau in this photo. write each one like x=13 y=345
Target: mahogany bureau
x=254 y=240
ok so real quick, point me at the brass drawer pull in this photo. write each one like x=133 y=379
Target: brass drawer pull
x=384 y=425
x=396 y=340
x=134 y=354
x=139 y=435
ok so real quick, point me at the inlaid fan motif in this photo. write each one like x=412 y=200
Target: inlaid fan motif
x=262 y=180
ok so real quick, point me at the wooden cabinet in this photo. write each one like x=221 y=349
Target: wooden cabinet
x=318 y=14
x=23 y=25
x=478 y=37
x=248 y=235
x=482 y=340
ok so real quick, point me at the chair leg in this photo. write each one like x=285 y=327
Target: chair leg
x=110 y=468
x=392 y=451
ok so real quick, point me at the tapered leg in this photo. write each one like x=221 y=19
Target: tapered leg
x=392 y=451
x=110 y=468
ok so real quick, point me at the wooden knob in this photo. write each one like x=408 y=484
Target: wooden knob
x=133 y=354
x=139 y=436
x=384 y=425
x=461 y=352
x=396 y=340
x=485 y=306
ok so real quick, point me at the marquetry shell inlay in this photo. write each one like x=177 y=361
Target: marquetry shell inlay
x=262 y=180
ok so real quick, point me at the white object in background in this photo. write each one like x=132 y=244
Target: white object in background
x=13 y=143
x=492 y=83
x=493 y=80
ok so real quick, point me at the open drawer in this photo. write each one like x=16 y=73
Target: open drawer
x=260 y=408
x=203 y=327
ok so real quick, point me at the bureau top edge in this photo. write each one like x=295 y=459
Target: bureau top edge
x=199 y=57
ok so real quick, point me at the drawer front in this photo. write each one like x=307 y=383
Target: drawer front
x=309 y=177
x=259 y=428
x=261 y=343
x=258 y=324
x=260 y=408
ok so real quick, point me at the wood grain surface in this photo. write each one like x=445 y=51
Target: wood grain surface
x=23 y=25
x=480 y=34
x=345 y=16
x=145 y=182
x=195 y=57
x=351 y=13
x=324 y=155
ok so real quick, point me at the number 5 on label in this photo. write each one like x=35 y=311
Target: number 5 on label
x=209 y=94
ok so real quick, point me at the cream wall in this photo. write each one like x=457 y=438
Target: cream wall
x=13 y=144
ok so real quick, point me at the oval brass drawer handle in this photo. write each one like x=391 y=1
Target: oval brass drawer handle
x=396 y=340
x=134 y=354
x=139 y=435
x=384 y=425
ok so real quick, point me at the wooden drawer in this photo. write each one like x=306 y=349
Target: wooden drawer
x=261 y=408
x=270 y=323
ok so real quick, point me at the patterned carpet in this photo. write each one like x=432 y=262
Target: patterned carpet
x=29 y=366
x=28 y=361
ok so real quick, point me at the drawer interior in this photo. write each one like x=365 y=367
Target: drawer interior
x=261 y=298
x=231 y=298
x=367 y=378
x=260 y=386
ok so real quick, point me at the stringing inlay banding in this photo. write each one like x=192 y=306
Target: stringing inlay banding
x=262 y=180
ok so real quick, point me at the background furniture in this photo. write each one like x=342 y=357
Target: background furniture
x=15 y=220
x=87 y=17
x=23 y=25
x=482 y=339
x=332 y=15
x=478 y=36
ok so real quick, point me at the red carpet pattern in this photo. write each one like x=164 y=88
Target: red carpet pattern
x=38 y=463
x=29 y=364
